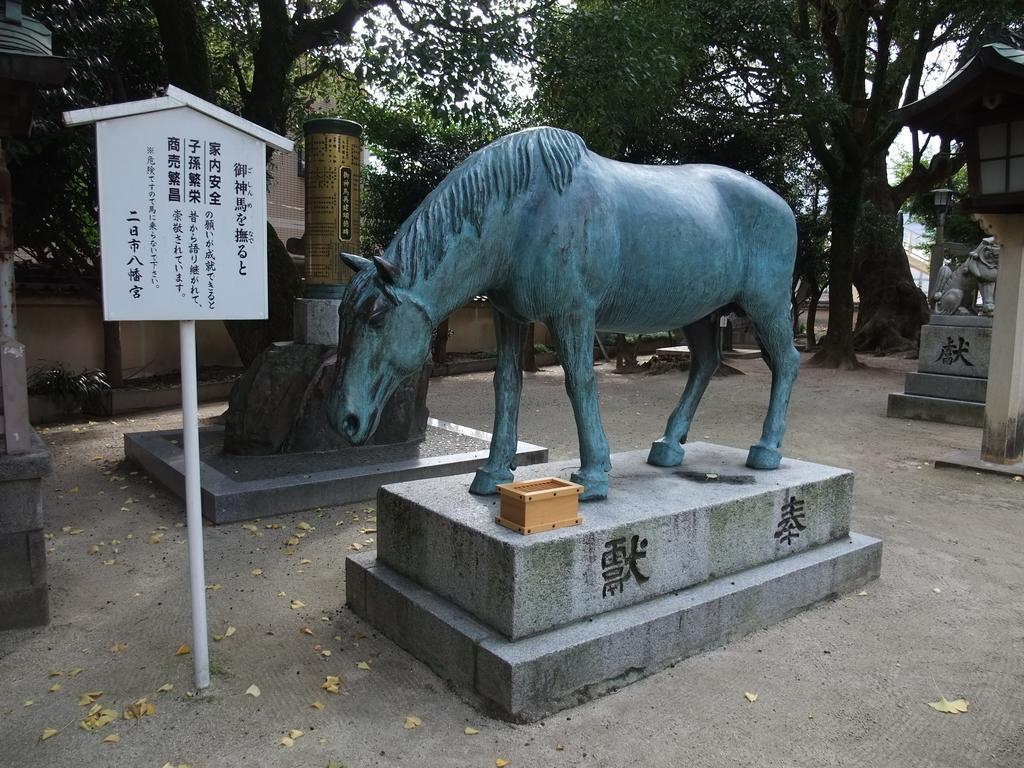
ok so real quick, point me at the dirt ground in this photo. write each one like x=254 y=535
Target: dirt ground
x=844 y=684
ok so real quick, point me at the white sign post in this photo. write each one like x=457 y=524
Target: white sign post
x=183 y=218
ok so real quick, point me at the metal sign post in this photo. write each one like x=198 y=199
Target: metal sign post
x=182 y=192
x=193 y=500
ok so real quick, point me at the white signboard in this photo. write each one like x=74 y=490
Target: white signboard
x=182 y=218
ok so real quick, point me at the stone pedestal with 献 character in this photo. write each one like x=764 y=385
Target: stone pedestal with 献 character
x=952 y=374
x=673 y=562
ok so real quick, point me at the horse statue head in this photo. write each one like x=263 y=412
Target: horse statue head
x=383 y=338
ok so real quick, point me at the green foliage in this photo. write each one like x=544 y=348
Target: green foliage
x=959 y=227
x=655 y=81
x=413 y=151
x=54 y=172
x=68 y=391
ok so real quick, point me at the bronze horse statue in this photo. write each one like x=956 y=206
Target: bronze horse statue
x=552 y=232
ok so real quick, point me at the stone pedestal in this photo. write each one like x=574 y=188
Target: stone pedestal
x=24 y=600
x=673 y=562
x=315 y=321
x=952 y=373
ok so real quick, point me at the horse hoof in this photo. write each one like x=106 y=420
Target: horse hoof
x=665 y=453
x=763 y=457
x=593 y=488
x=486 y=484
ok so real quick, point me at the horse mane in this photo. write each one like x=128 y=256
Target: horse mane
x=499 y=172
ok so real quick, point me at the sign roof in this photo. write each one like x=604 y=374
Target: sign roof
x=176 y=98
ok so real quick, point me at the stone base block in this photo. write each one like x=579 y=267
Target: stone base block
x=24 y=597
x=958 y=350
x=315 y=321
x=236 y=488
x=973 y=461
x=943 y=410
x=684 y=528
x=947 y=387
x=525 y=680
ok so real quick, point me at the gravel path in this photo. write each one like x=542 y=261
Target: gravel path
x=845 y=684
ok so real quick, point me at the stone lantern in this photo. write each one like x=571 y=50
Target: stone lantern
x=982 y=105
x=26 y=64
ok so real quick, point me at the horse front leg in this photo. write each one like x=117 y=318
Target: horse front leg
x=508 y=386
x=575 y=342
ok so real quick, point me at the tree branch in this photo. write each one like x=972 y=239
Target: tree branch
x=331 y=29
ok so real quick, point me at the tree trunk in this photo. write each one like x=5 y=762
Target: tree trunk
x=812 y=317
x=185 y=55
x=892 y=307
x=836 y=350
x=253 y=336
x=112 y=361
x=529 y=354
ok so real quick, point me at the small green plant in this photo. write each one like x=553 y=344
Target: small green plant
x=67 y=390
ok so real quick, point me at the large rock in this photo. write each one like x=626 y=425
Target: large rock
x=280 y=405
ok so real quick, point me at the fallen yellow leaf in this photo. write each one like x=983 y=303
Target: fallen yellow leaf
x=297 y=604
x=363 y=665
x=411 y=722
x=862 y=594
x=155 y=538
x=471 y=731
x=286 y=741
x=253 y=690
x=85 y=699
x=306 y=631
x=291 y=541
x=118 y=647
x=93 y=550
x=256 y=571
x=97 y=717
x=751 y=697
x=355 y=546
x=48 y=733
x=55 y=673
x=183 y=650
x=955 y=707
x=317 y=705
x=139 y=709
x=54 y=688
x=165 y=688
x=325 y=652
x=282 y=594
x=75 y=672
x=332 y=684
x=502 y=762
x=214 y=587
x=305 y=527
x=252 y=529
x=109 y=562
x=28 y=702
x=305 y=561
x=113 y=738
x=294 y=733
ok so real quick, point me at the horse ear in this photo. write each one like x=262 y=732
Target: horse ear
x=388 y=272
x=389 y=293
x=354 y=262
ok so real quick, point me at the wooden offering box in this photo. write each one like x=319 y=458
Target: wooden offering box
x=539 y=505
